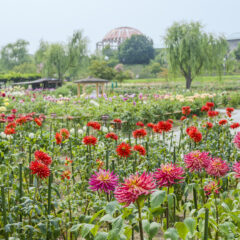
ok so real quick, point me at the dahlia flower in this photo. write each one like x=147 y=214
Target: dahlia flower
x=186 y=110
x=217 y=167
x=168 y=175
x=104 y=181
x=123 y=150
x=222 y=122
x=208 y=125
x=38 y=122
x=9 y=131
x=236 y=140
x=58 y=138
x=150 y=125
x=112 y=136
x=210 y=105
x=164 y=126
x=94 y=125
x=65 y=133
x=140 y=124
x=117 y=120
x=139 y=133
x=211 y=187
x=196 y=160
x=133 y=187
x=42 y=157
x=213 y=113
x=40 y=169
x=229 y=109
x=90 y=140
x=183 y=118
x=205 y=109
x=236 y=169
x=140 y=149
x=66 y=175
x=235 y=125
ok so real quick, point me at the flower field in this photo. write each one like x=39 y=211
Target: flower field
x=70 y=172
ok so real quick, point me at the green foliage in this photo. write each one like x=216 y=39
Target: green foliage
x=19 y=77
x=136 y=50
x=100 y=69
x=27 y=67
x=14 y=54
x=190 y=50
x=237 y=52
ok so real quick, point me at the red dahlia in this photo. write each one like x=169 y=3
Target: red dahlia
x=40 y=169
x=223 y=122
x=164 y=126
x=58 y=138
x=94 y=125
x=186 y=110
x=205 y=109
x=183 y=118
x=112 y=136
x=64 y=133
x=38 y=122
x=90 y=140
x=140 y=124
x=42 y=157
x=123 y=150
x=9 y=131
x=139 y=133
x=140 y=149
x=213 y=113
x=210 y=105
x=235 y=125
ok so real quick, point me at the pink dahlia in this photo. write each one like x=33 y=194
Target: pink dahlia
x=168 y=175
x=104 y=181
x=197 y=160
x=134 y=187
x=236 y=169
x=217 y=167
x=237 y=140
x=211 y=187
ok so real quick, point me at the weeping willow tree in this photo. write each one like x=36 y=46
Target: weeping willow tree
x=190 y=50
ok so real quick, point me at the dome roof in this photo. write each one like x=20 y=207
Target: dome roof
x=234 y=36
x=120 y=34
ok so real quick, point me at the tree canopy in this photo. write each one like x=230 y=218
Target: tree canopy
x=14 y=54
x=190 y=50
x=136 y=50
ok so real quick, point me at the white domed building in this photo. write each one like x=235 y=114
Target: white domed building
x=116 y=36
x=233 y=40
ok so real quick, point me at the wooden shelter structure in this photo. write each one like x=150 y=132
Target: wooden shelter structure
x=90 y=80
x=42 y=83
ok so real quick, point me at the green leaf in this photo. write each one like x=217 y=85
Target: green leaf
x=157 y=198
x=107 y=218
x=96 y=215
x=154 y=227
x=75 y=227
x=86 y=229
x=146 y=226
x=101 y=236
x=171 y=234
x=111 y=207
x=191 y=224
x=182 y=230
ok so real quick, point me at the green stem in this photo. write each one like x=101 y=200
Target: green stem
x=4 y=212
x=140 y=221
x=206 y=224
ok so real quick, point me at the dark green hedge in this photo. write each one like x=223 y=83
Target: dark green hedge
x=19 y=77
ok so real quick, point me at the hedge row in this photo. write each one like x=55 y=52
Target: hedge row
x=19 y=77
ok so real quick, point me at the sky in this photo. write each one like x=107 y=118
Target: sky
x=56 y=20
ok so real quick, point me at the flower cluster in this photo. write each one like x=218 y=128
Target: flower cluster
x=94 y=125
x=194 y=134
x=139 y=133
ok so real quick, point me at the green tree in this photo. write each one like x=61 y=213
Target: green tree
x=77 y=52
x=14 y=54
x=190 y=50
x=237 y=52
x=57 y=59
x=136 y=50
x=101 y=69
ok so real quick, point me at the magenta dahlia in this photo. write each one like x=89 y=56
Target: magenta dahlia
x=104 y=181
x=236 y=169
x=168 y=175
x=237 y=140
x=211 y=187
x=134 y=187
x=197 y=160
x=217 y=167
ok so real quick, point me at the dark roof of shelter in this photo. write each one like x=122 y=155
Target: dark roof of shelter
x=53 y=80
x=91 y=80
